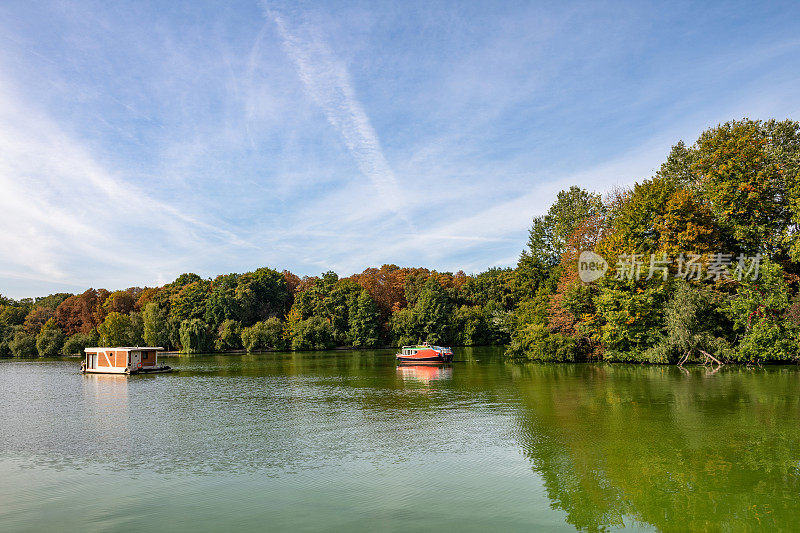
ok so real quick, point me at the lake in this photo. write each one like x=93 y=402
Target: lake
x=348 y=441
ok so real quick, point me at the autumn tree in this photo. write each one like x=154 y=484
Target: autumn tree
x=76 y=314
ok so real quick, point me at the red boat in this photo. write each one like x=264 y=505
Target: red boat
x=425 y=353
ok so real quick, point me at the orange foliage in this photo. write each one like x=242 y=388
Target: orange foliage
x=76 y=314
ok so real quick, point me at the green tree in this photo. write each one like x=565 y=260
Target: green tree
x=116 y=330
x=23 y=344
x=266 y=335
x=155 y=328
x=50 y=339
x=404 y=325
x=137 y=329
x=695 y=324
x=364 y=322
x=434 y=309
x=229 y=336
x=222 y=303
x=550 y=233
x=470 y=325
x=261 y=294
x=750 y=172
x=190 y=301
x=759 y=314
x=76 y=344
x=195 y=337
x=313 y=333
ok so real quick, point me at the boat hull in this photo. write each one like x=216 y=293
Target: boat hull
x=126 y=371
x=417 y=360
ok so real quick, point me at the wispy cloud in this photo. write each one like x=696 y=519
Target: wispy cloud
x=328 y=83
x=137 y=143
x=65 y=217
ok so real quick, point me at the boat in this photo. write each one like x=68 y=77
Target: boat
x=123 y=360
x=424 y=353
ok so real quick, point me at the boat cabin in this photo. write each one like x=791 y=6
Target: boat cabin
x=122 y=360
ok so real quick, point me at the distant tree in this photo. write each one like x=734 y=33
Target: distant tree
x=314 y=333
x=23 y=344
x=364 y=322
x=155 y=329
x=137 y=329
x=52 y=301
x=116 y=330
x=184 y=279
x=264 y=335
x=549 y=233
x=76 y=314
x=37 y=318
x=120 y=302
x=405 y=327
x=471 y=327
x=222 y=303
x=434 y=310
x=50 y=339
x=229 y=336
x=190 y=301
x=76 y=344
x=12 y=315
x=195 y=337
x=261 y=294
x=147 y=295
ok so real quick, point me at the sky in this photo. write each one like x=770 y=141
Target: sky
x=140 y=140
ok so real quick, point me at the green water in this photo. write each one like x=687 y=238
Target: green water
x=347 y=441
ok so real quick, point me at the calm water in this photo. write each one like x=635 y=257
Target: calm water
x=348 y=441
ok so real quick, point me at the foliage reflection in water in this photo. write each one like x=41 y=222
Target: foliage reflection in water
x=331 y=440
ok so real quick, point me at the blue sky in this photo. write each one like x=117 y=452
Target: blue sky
x=141 y=140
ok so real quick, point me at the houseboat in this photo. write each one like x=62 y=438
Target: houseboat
x=425 y=353
x=128 y=360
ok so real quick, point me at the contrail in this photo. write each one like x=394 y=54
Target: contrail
x=328 y=83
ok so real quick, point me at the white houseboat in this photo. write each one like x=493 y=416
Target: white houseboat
x=123 y=360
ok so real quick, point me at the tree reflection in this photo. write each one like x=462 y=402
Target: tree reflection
x=624 y=444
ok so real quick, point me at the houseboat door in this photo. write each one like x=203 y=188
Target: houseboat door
x=136 y=359
x=92 y=362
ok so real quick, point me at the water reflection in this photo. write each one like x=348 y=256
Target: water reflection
x=653 y=445
x=424 y=373
x=592 y=447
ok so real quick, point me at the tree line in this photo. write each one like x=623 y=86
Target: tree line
x=735 y=192
x=269 y=310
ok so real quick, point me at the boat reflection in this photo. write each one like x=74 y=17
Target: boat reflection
x=424 y=373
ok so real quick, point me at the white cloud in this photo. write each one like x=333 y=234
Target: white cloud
x=328 y=83
x=65 y=217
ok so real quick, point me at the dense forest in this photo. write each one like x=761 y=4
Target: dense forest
x=734 y=194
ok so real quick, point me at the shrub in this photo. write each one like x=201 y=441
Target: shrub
x=314 y=333
x=264 y=336
x=77 y=343
x=538 y=343
x=49 y=341
x=23 y=344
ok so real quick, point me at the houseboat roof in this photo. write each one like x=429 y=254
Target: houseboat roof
x=127 y=348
